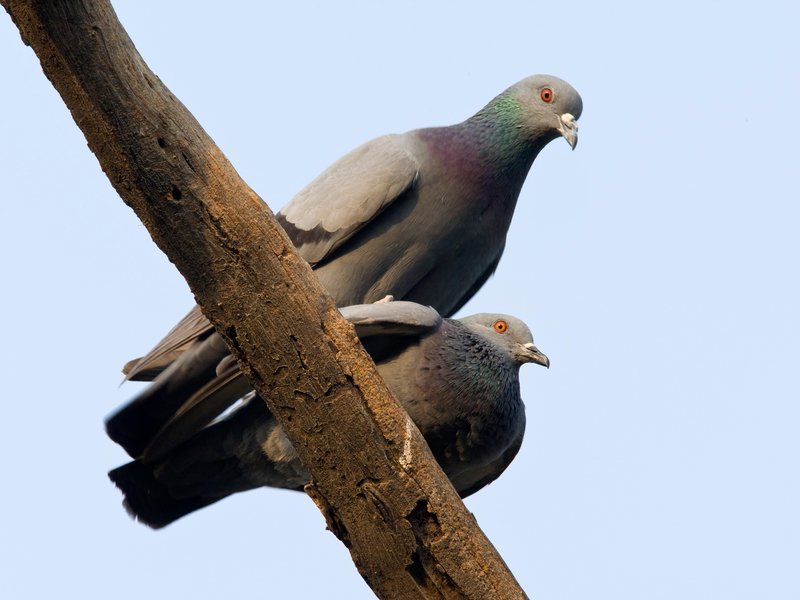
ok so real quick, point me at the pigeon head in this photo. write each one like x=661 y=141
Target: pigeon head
x=542 y=106
x=508 y=333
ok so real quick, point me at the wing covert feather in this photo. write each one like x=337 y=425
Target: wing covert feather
x=348 y=195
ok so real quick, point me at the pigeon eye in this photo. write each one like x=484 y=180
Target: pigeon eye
x=547 y=95
x=500 y=326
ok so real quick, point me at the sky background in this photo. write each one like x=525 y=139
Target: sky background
x=657 y=266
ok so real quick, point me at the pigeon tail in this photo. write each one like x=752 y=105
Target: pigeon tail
x=149 y=501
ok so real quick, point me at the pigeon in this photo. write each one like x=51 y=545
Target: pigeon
x=421 y=216
x=458 y=379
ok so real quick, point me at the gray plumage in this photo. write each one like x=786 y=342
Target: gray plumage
x=422 y=216
x=458 y=380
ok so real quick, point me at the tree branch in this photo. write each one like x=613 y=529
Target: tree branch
x=373 y=476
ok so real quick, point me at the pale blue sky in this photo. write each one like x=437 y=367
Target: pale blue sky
x=656 y=266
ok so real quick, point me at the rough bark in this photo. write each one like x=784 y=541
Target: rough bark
x=373 y=476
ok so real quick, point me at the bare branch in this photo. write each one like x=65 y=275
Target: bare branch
x=373 y=476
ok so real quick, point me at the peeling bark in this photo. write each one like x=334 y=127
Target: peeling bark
x=374 y=478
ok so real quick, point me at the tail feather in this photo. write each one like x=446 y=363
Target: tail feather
x=136 y=424
x=150 y=501
x=245 y=450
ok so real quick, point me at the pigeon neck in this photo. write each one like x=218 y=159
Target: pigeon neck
x=500 y=124
x=490 y=149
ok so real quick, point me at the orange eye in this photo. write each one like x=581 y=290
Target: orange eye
x=500 y=326
x=547 y=95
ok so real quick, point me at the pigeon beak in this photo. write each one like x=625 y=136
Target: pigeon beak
x=568 y=127
x=533 y=355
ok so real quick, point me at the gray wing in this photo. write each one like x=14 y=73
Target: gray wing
x=194 y=403
x=392 y=318
x=325 y=214
x=348 y=195
x=189 y=330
